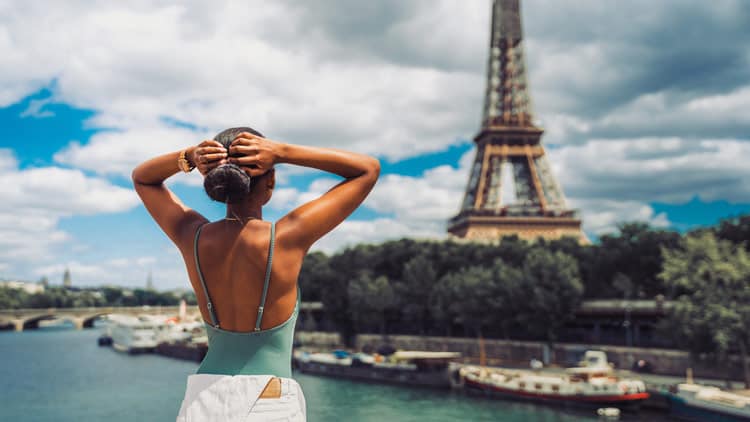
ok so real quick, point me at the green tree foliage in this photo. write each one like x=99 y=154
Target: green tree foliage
x=370 y=298
x=61 y=297
x=439 y=301
x=12 y=298
x=480 y=297
x=418 y=279
x=711 y=316
x=736 y=230
x=189 y=298
x=335 y=296
x=314 y=276
x=509 y=296
x=552 y=291
x=634 y=252
x=472 y=292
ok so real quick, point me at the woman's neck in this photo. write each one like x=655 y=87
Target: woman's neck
x=244 y=213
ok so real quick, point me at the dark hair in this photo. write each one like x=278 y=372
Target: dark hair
x=228 y=182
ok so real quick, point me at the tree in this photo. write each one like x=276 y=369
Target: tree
x=736 y=230
x=314 y=276
x=470 y=293
x=711 y=315
x=553 y=291
x=335 y=297
x=439 y=301
x=506 y=303
x=369 y=299
x=634 y=252
x=12 y=298
x=413 y=292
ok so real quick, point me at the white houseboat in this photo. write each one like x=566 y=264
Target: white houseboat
x=594 y=384
x=133 y=334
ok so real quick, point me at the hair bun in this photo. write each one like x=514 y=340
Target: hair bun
x=227 y=183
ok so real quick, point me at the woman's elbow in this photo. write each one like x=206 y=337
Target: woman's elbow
x=373 y=167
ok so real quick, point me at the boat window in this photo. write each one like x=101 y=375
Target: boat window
x=555 y=388
x=522 y=385
x=538 y=386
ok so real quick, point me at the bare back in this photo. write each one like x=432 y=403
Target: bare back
x=233 y=256
x=233 y=262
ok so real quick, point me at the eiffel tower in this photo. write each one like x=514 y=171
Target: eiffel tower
x=511 y=188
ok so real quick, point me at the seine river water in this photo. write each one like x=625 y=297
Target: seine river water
x=62 y=375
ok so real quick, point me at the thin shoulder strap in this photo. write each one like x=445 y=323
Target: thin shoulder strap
x=214 y=319
x=267 y=278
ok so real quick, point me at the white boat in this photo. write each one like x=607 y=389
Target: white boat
x=592 y=385
x=703 y=403
x=177 y=332
x=132 y=334
x=338 y=357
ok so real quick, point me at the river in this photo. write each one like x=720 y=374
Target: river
x=63 y=375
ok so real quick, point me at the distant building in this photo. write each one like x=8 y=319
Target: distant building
x=28 y=287
x=67 y=282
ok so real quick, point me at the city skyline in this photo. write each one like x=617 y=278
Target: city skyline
x=643 y=106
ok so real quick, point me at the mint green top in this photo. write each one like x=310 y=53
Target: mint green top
x=258 y=352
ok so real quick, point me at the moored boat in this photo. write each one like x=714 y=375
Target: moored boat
x=702 y=403
x=416 y=368
x=595 y=385
x=132 y=334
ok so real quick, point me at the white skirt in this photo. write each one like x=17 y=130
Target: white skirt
x=225 y=398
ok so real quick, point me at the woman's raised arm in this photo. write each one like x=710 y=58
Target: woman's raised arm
x=309 y=222
x=165 y=207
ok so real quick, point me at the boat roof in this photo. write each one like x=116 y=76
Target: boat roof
x=422 y=355
x=588 y=369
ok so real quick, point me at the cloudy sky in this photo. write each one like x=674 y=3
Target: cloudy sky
x=646 y=107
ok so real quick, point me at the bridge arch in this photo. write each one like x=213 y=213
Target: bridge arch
x=88 y=320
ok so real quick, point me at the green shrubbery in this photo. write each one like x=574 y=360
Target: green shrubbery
x=61 y=297
x=528 y=289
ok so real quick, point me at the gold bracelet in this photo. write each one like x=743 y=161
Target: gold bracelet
x=183 y=162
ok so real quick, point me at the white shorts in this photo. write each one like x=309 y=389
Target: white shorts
x=230 y=398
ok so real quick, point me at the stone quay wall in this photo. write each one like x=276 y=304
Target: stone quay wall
x=510 y=353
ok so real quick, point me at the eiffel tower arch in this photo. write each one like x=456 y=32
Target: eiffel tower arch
x=511 y=188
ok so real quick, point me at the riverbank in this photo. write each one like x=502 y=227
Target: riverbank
x=668 y=363
x=63 y=375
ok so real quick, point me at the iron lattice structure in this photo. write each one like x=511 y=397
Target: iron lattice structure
x=511 y=188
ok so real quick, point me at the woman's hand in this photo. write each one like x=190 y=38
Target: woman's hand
x=254 y=152
x=208 y=155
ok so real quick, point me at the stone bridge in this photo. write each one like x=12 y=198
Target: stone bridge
x=23 y=319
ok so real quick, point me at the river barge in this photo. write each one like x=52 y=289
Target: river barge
x=694 y=402
x=586 y=386
x=414 y=368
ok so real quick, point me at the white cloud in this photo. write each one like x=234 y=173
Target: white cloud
x=427 y=200
x=36 y=109
x=352 y=232
x=118 y=152
x=603 y=215
x=391 y=78
x=34 y=201
x=416 y=207
x=230 y=65
x=672 y=170
x=120 y=271
x=663 y=111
